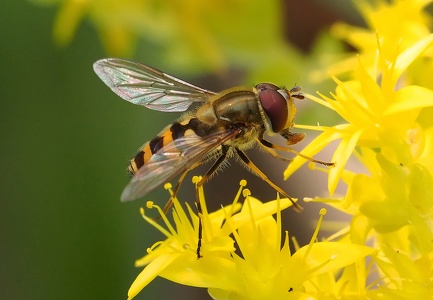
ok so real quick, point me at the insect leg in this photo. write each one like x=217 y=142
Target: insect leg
x=215 y=166
x=179 y=182
x=177 y=187
x=275 y=154
x=259 y=173
x=268 y=145
x=205 y=178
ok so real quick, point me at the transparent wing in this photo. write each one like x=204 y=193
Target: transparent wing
x=172 y=160
x=143 y=85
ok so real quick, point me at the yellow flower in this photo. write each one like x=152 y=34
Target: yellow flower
x=379 y=115
x=261 y=268
x=115 y=21
x=178 y=251
x=176 y=257
x=389 y=128
x=190 y=34
x=405 y=276
x=265 y=270
x=398 y=24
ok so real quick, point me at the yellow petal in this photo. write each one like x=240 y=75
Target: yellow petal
x=313 y=148
x=150 y=272
x=410 y=98
x=409 y=55
x=340 y=157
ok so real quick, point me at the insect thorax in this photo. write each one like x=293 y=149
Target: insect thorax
x=236 y=105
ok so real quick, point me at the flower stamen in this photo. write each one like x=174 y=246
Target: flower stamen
x=242 y=184
x=316 y=232
x=156 y=225
x=151 y=248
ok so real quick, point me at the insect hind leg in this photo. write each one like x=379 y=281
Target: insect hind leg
x=215 y=166
x=176 y=189
x=169 y=203
x=203 y=180
x=255 y=170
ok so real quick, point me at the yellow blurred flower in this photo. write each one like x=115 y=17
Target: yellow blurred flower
x=188 y=34
x=396 y=25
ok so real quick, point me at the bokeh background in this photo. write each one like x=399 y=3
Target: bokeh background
x=65 y=139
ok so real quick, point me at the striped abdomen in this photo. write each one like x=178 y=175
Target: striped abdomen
x=169 y=134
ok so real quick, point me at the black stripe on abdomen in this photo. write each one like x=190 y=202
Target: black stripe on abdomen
x=175 y=131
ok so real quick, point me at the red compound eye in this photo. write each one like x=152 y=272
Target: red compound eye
x=274 y=104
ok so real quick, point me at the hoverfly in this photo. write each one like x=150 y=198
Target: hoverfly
x=222 y=126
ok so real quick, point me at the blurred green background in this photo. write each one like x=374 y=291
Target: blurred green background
x=66 y=139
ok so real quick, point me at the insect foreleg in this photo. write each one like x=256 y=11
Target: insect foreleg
x=269 y=145
x=274 y=153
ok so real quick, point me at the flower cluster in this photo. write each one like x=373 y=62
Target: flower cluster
x=262 y=266
x=388 y=113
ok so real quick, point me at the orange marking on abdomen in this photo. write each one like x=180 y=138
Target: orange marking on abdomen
x=149 y=149
x=170 y=133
